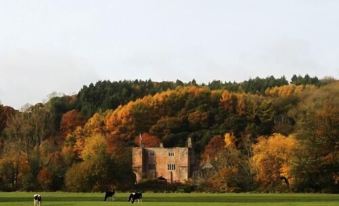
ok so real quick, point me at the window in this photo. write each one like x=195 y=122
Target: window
x=171 y=166
x=171 y=154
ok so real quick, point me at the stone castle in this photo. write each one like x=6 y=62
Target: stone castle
x=173 y=164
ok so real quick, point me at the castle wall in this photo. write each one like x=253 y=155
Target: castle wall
x=171 y=163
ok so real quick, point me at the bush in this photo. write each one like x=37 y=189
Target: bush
x=79 y=179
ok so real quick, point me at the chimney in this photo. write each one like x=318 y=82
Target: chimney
x=189 y=142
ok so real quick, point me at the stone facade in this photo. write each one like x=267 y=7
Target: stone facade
x=174 y=164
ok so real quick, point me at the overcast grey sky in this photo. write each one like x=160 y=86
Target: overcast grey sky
x=60 y=45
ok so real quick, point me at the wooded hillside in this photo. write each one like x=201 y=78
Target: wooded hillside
x=264 y=134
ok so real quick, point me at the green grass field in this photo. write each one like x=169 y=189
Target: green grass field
x=169 y=199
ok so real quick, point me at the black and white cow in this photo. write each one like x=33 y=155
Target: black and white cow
x=135 y=196
x=37 y=200
x=109 y=194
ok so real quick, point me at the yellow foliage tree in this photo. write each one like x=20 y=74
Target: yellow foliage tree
x=272 y=160
x=288 y=90
x=94 y=146
x=229 y=140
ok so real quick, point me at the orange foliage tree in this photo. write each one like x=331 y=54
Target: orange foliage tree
x=214 y=146
x=230 y=170
x=75 y=141
x=69 y=121
x=45 y=179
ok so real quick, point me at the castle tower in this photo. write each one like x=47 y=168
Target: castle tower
x=137 y=163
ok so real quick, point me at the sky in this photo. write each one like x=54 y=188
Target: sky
x=49 y=46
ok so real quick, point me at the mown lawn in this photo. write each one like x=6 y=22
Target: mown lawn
x=169 y=199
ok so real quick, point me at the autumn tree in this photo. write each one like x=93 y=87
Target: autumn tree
x=52 y=166
x=74 y=142
x=31 y=127
x=230 y=171
x=272 y=161
x=318 y=133
x=5 y=114
x=214 y=146
x=91 y=173
x=69 y=121
x=27 y=130
x=14 y=167
x=98 y=168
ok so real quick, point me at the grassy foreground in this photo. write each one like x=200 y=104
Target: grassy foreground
x=169 y=199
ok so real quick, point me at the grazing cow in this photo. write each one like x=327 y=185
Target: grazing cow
x=135 y=196
x=37 y=200
x=109 y=194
